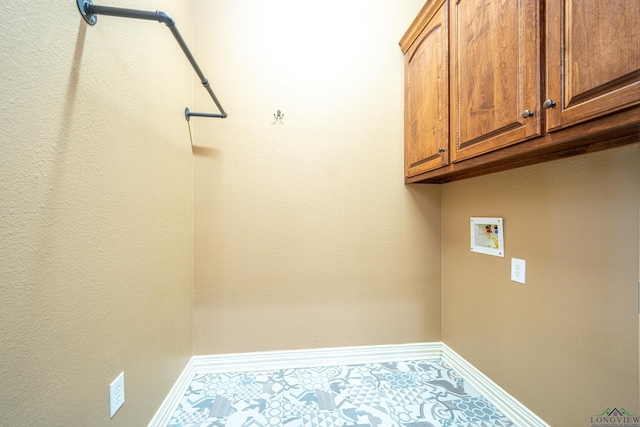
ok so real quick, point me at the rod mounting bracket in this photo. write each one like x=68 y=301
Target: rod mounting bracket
x=83 y=6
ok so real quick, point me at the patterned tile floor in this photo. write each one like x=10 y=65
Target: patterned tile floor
x=423 y=393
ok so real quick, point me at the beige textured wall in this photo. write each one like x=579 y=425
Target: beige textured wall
x=566 y=343
x=96 y=213
x=305 y=236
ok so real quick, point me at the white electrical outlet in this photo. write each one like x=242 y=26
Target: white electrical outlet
x=116 y=394
x=518 y=270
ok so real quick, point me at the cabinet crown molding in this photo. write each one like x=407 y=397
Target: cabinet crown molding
x=419 y=23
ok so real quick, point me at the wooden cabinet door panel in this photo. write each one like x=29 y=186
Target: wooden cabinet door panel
x=593 y=59
x=427 y=98
x=495 y=49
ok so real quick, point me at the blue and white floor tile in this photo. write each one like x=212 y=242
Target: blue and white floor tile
x=423 y=393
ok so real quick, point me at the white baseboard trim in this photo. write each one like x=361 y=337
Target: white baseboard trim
x=519 y=414
x=315 y=357
x=514 y=410
x=165 y=411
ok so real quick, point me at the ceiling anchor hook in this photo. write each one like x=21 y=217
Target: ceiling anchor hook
x=279 y=115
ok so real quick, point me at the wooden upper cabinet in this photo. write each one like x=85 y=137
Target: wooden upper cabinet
x=593 y=59
x=427 y=97
x=492 y=85
x=494 y=75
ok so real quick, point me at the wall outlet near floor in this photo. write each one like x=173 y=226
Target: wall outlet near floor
x=116 y=394
x=518 y=270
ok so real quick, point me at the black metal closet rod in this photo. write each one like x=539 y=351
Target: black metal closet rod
x=88 y=10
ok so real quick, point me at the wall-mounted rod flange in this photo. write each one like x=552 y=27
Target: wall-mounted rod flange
x=83 y=6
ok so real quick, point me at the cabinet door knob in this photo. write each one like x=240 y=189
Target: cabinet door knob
x=549 y=104
x=527 y=114
x=441 y=150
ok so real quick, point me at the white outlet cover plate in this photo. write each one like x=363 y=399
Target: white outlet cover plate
x=116 y=394
x=518 y=270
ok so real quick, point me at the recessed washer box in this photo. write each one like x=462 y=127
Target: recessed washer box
x=487 y=236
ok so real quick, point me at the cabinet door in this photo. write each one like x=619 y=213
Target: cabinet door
x=495 y=68
x=593 y=59
x=427 y=98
